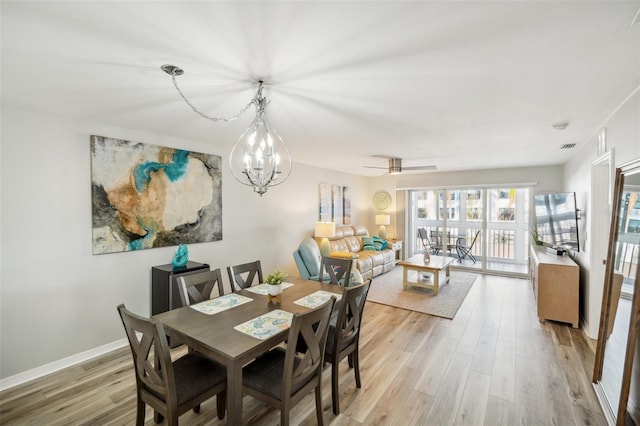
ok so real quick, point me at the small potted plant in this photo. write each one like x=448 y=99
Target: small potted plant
x=534 y=236
x=275 y=279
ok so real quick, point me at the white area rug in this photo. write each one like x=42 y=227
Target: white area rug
x=387 y=289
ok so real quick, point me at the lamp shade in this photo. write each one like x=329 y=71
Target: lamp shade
x=383 y=219
x=325 y=229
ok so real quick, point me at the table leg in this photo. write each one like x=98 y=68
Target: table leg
x=448 y=273
x=404 y=277
x=234 y=394
x=436 y=281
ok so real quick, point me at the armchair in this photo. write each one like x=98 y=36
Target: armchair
x=307 y=258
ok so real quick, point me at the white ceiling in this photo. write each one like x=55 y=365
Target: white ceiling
x=462 y=85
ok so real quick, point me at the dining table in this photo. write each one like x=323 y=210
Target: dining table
x=216 y=332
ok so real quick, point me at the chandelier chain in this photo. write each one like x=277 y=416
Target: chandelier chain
x=253 y=101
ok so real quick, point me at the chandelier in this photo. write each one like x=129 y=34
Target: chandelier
x=259 y=158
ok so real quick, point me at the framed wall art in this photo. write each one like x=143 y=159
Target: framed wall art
x=337 y=212
x=146 y=196
x=346 y=205
x=324 y=213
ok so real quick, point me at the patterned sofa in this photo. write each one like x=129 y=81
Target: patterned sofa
x=346 y=243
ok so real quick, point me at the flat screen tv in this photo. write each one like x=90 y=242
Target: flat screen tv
x=557 y=220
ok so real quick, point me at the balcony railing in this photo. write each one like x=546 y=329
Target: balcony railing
x=501 y=247
x=501 y=244
x=627 y=254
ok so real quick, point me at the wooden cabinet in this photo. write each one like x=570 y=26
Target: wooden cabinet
x=164 y=289
x=556 y=286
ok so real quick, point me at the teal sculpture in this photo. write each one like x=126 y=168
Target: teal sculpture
x=181 y=257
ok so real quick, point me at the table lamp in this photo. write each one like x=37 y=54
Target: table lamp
x=325 y=230
x=382 y=220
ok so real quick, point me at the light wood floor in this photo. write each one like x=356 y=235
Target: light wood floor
x=494 y=364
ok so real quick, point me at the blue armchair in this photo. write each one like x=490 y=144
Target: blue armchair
x=307 y=258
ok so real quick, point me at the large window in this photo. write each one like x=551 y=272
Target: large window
x=501 y=215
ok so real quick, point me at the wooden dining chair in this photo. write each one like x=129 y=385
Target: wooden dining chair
x=281 y=377
x=198 y=287
x=344 y=337
x=170 y=388
x=337 y=269
x=245 y=275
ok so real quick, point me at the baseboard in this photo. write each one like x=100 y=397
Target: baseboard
x=52 y=367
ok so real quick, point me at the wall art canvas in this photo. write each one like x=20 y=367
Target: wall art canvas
x=325 y=203
x=346 y=205
x=146 y=196
x=336 y=191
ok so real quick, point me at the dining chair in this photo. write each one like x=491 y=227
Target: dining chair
x=281 y=377
x=337 y=269
x=464 y=250
x=244 y=275
x=344 y=337
x=196 y=288
x=170 y=388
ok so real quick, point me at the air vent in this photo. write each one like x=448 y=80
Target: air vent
x=568 y=146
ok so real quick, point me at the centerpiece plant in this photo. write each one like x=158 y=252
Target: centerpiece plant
x=275 y=279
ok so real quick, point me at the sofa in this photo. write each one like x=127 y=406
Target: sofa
x=346 y=243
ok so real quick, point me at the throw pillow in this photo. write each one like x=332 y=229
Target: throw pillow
x=367 y=244
x=379 y=243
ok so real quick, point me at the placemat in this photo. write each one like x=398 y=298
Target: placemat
x=266 y=325
x=221 y=303
x=263 y=289
x=317 y=298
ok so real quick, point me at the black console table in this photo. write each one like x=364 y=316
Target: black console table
x=164 y=288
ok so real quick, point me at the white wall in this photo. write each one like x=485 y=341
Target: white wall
x=56 y=298
x=623 y=136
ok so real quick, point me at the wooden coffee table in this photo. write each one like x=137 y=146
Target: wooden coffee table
x=435 y=266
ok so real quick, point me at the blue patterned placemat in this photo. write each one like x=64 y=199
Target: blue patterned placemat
x=263 y=289
x=221 y=303
x=317 y=298
x=266 y=325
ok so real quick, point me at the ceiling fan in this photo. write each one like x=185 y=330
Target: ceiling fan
x=395 y=166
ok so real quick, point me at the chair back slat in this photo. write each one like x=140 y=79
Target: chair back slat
x=143 y=335
x=312 y=328
x=350 y=314
x=245 y=275
x=198 y=287
x=338 y=270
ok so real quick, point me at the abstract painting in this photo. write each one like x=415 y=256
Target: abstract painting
x=146 y=196
x=336 y=191
x=346 y=205
x=325 y=203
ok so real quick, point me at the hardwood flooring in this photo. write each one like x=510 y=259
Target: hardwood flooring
x=493 y=364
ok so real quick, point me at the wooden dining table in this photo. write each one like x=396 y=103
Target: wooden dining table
x=215 y=335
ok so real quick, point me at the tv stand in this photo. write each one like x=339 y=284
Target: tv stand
x=556 y=286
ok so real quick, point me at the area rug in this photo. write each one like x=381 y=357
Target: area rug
x=387 y=290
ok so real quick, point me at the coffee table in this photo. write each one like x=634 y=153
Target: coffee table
x=435 y=266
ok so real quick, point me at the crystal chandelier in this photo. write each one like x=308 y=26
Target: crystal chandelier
x=259 y=158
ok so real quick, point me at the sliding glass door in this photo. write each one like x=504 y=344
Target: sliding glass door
x=508 y=230
x=482 y=228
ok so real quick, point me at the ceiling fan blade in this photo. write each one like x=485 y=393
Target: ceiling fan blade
x=375 y=167
x=419 y=168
